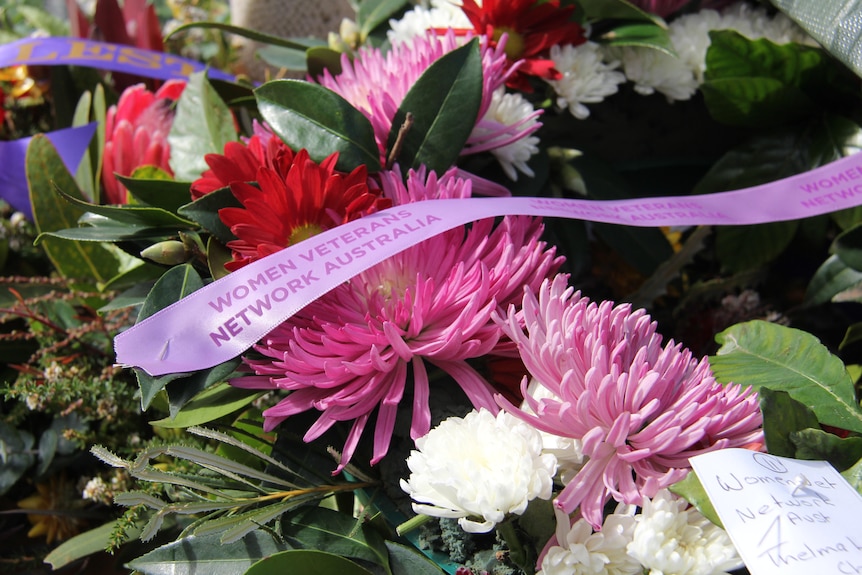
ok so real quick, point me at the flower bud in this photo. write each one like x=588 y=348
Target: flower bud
x=169 y=252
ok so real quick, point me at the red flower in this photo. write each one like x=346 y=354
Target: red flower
x=240 y=163
x=311 y=198
x=532 y=28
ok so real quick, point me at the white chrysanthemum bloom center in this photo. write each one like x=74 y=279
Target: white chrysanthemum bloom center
x=671 y=538
x=479 y=468
x=587 y=78
x=510 y=109
x=580 y=551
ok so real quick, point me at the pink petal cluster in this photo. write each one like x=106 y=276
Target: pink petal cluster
x=640 y=409
x=348 y=353
x=361 y=80
x=136 y=134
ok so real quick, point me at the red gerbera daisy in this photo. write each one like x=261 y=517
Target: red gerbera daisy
x=311 y=198
x=532 y=28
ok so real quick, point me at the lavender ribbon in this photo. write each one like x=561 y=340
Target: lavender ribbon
x=71 y=143
x=223 y=319
x=104 y=55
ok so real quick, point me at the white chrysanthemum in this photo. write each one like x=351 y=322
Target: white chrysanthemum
x=654 y=71
x=513 y=149
x=586 y=77
x=671 y=538
x=419 y=20
x=690 y=37
x=580 y=551
x=479 y=468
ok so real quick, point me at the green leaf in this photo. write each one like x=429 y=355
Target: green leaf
x=848 y=247
x=741 y=248
x=832 y=23
x=615 y=10
x=373 y=13
x=155 y=187
x=816 y=444
x=783 y=415
x=210 y=404
x=851 y=336
x=762 y=354
x=130 y=214
x=280 y=57
x=407 y=561
x=245 y=33
x=645 y=35
x=195 y=555
x=203 y=125
x=74 y=260
x=832 y=279
x=181 y=391
x=205 y=209
x=317 y=119
x=691 y=489
x=15 y=455
x=307 y=563
x=92 y=541
x=323 y=58
x=444 y=103
x=756 y=82
x=175 y=284
x=321 y=528
x=854 y=476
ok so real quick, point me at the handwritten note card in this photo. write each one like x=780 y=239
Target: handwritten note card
x=785 y=515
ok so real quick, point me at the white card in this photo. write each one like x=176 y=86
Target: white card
x=784 y=515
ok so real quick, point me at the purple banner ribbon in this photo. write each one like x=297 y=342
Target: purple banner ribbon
x=71 y=143
x=104 y=55
x=216 y=323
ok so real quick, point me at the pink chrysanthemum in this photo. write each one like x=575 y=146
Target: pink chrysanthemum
x=349 y=352
x=361 y=79
x=640 y=409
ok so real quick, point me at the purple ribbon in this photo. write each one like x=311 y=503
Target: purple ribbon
x=71 y=143
x=104 y=55
x=226 y=317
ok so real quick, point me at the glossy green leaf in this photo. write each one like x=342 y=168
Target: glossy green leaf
x=373 y=13
x=444 y=103
x=217 y=256
x=86 y=543
x=196 y=555
x=96 y=228
x=325 y=529
x=762 y=354
x=848 y=247
x=783 y=415
x=833 y=23
x=76 y=260
x=130 y=214
x=741 y=248
x=615 y=10
x=851 y=336
x=280 y=57
x=306 y=562
x=816 y=444
x=323 y=58
x=175 y=284
x=205 y=209
x=408 y=561
x=691 y=489
x=210 y=404
x=155 y=187
x=642 y=34
x=15 y=446
x=315 y=118
x=245 y=33
x=203 y=124
x=854 y=476
x=832 y=279
x=181 y=391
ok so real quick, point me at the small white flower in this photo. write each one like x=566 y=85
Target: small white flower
x=654 y=71
x=580 y=551
x=586 y=77
x=514 y=118
x=671 y=538
x=95 y=489
x=478 y=468
x=419 y=20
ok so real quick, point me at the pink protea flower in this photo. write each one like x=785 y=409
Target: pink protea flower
x=361 y=78
x=348 y=353
x=639 y=409
x=136 y=134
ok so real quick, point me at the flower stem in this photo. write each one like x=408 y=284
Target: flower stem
x=518 y=553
